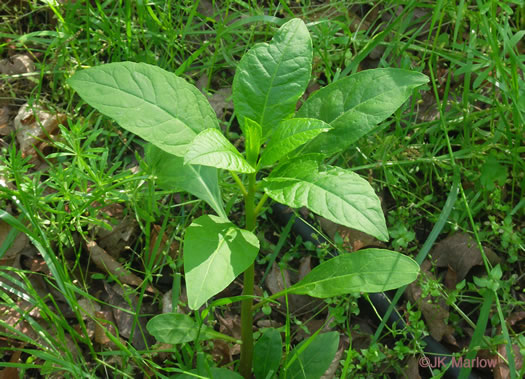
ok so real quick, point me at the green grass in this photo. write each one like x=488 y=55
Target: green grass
x=469 y=121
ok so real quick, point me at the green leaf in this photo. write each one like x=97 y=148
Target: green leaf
x=368 y=270
x=215 y=253
x=270 y=78
x=312 y=361
x=174 y=328
x=339 y=195
x=173 y=175
x=492 y=172
x=216 y=372
x=253 y=132
x=291 y=134
x=267 y=354
x=354 y=105
x=153 y=103
x=211 y=148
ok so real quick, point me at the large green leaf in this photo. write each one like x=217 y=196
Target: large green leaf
x=211 y=148
x=270 y=78
x=173 y=175
x=215 y=253
x=174 y=328
x=153 y=103
x=291 y=134
x=267 y=354
x=354 y=105
x=216 y=373
x=339 y=195
x=368 y=270
x=313 y=356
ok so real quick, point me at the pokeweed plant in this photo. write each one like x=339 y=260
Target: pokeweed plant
x=282 y=160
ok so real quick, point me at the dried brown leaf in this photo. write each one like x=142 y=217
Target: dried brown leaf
x=221 y=352
x=124 y=308
x=268 y=324
x=411 y=370
x=11 y=372
x=332 y=369
x=221 y=101
x=205 y=8
x=156 y=253
x=13 y=317
x=105 y=324
x=305 y=266
x=5 y=128
x=434 y=312
x=353 y=239
x=451 y=278
x=17 y=64
x=277 y=280
x=122 y=231
x=502 y=371
x=21 y=241
x=33 y=126
x=461 y=253
x=106 y=262
x=230 y=324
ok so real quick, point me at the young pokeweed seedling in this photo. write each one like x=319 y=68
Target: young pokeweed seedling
x=187 y=148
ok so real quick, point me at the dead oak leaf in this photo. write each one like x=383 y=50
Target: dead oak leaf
x=460 y=252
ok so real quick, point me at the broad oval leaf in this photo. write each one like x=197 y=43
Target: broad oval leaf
x=174 y=328
x=216 y=372
x=215 y=253
x=155 y=104
x=267 y=354
x=289 y=135
x=173 y=175
x=270 y=78
x=354 y=105
x=211 y=148
x=368 y=270
x=339 y=195
x=311 y=361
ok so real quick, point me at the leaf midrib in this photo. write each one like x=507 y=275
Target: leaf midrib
x=302 y=181
x=321 y=281
x=213 y=256
x=263 y=114
x=354 y=108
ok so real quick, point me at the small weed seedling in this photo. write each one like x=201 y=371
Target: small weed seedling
x=188 y=148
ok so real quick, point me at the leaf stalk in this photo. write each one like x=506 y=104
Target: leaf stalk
x=245 y=365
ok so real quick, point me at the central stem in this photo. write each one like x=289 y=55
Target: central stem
x=245 y=366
